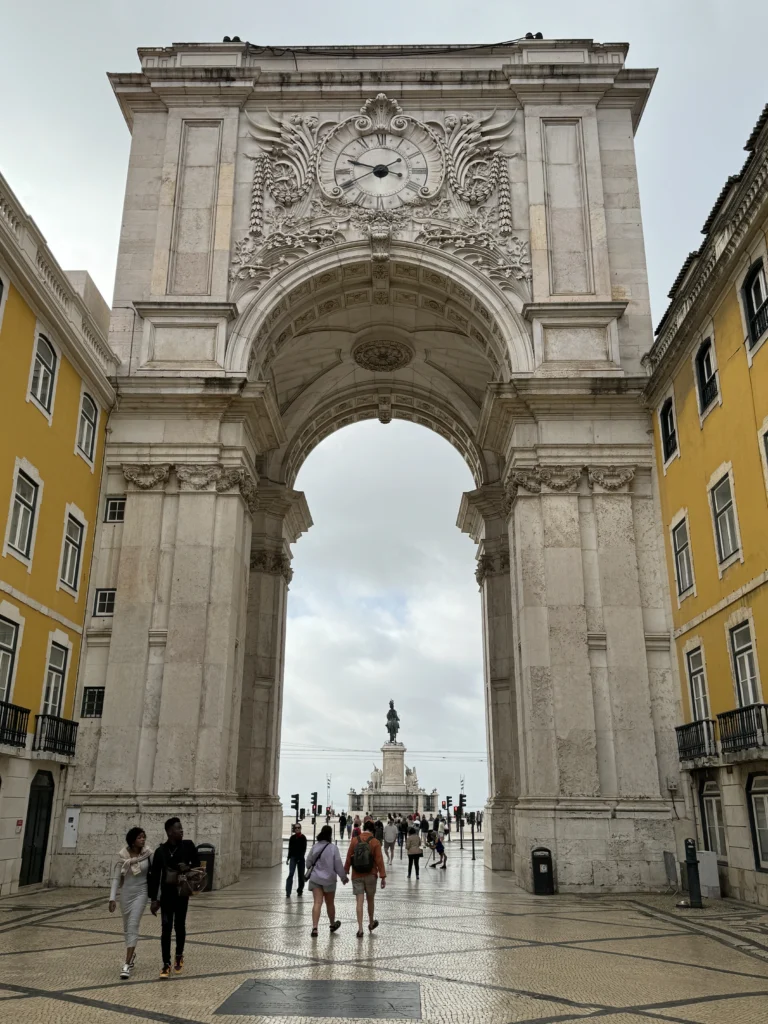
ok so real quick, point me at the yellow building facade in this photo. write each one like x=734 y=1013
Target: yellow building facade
x=55 y=397
x=709 y=392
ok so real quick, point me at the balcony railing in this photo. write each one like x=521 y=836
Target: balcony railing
x=759 y=323
x=13 y=724
x=697 y=739
x=708 y=391
x=55 y=735
x=744 y=728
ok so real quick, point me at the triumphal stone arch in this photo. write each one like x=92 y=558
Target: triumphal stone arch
x=445 y=235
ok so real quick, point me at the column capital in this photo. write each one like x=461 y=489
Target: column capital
x=493 y=560
x=274 y=563
x=610 y=478
x=146 y=476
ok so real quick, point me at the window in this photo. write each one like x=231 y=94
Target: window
x=744 y=667
x=93 y=702
x=758 y=798
x=668 y=432
x=756 y=302
x=44 y=373
x=682 y=550
x=73 y=549
x=54 y=680
x=706 y=374
x=114 y=511
x=699 y=699
x=712 y=816
x=105 y=602
x=23 y=514
x=8 y=635
x=725 y=519
x=86 y=430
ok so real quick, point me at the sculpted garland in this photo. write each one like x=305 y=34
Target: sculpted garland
x=378 y=172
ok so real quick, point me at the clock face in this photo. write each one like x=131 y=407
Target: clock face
x=381 y=170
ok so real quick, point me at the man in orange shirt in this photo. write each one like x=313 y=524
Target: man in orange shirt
x=365 y=858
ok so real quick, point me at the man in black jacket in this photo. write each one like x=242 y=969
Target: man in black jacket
x=171 y=859
x=297 y=851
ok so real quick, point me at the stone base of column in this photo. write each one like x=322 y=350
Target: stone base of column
x=499 y=835
x=597 y=845
x=105 y=818
x=262 y=833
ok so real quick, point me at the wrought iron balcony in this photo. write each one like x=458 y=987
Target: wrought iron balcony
x=744 y=728
x=55 y=735
x=758 y=323
x=697 y=739
x=13 y=724
x=708 y=391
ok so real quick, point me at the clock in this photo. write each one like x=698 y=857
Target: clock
x=381 y=169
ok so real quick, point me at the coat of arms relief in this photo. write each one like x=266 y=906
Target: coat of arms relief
x=381 y=175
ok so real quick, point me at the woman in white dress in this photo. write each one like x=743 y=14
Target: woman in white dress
x=129 y=878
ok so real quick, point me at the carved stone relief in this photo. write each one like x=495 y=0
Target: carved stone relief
x=275 y=563
x=451 y=192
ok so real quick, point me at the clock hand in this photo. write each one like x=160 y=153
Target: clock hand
x=357 y=163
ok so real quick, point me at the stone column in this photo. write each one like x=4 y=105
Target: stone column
x=168 y=740
x=281 y=516
x=483 y=515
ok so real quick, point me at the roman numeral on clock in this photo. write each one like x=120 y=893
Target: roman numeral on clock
x=413 y=186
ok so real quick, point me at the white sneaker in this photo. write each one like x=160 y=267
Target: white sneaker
x=126 y=971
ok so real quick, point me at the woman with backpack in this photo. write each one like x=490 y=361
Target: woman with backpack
x=323 y=868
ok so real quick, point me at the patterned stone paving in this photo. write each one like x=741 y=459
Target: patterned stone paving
x=479 y=950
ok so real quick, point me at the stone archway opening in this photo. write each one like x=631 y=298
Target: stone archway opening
x=383 y=605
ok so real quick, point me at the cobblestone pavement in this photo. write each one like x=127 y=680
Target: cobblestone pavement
x=474 y=948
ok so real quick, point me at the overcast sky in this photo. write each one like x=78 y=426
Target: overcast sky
x=383 y=602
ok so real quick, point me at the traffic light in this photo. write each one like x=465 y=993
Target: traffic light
x=449 y=801
x=443 y=804
x=471 y=817
x=295 y=804
x=462 y=804
x=314 y=802
x=302 y=814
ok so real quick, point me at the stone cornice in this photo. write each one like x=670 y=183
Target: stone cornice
x=48 y=291
x=486 y=502
x=709 y=274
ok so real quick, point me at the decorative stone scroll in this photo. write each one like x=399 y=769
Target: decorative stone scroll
x=491 y=565
x=197 y=477
x=611 y=478
x=146 y=476
x=275 y=563
x=240 y=479
x=560 y=478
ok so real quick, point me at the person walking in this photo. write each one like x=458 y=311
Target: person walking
x=414 y=850
x=365 y=858
x=402 y=831
x=342 y=824
x=424 y=828
x=349 y=826
x=297 y=851
x=356 y=826
x=390 y=838
x=323 y=868
x=129 y=879
x=170 y=861
x=440 y=851
x=378 y=830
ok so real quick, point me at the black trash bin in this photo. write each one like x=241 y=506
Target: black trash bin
x=207 y=855
x=543 y=875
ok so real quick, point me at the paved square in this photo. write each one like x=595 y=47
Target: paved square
x=461 y=946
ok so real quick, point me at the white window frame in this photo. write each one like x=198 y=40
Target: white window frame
x=725 y=469
x=29 y=470
x=667 y=462
x=104 y=615
x=713 y=801
x=757 y=252
x=41 y=329
x=762 y=441
x=82 y=702
x=59 y=637
x=5 y=281
x=72 y=511
x=89 y=461
x=706 y=335
x=693 y=645
x=114 y=497
x=742 y=616
x=679 y=517
x=12 y=614
x=762 y=794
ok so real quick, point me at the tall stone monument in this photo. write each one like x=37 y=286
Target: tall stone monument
x=394 y=788
x=451 y=237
